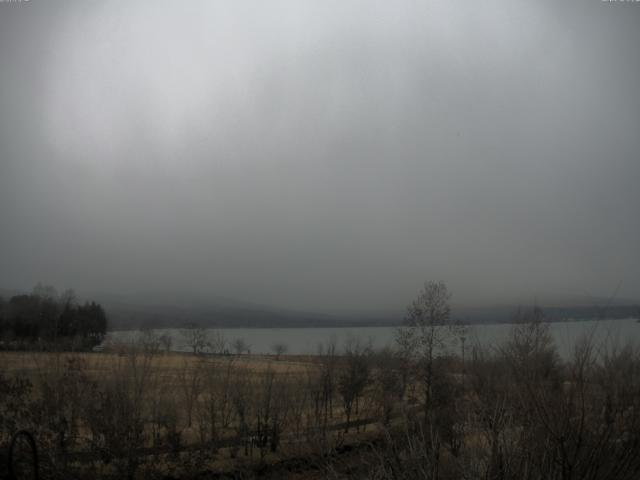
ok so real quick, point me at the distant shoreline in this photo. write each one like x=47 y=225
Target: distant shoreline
x=364 y=324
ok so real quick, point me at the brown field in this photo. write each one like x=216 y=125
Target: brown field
x=141 y=413
x=230 y=410
x=31 y=363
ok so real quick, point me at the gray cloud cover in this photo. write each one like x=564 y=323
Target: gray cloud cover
x=321 y=155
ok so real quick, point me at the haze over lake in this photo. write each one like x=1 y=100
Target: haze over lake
x=306 y=340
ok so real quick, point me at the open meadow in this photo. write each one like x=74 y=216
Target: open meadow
x=137 y=411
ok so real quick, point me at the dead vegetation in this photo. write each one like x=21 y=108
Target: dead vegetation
x=516 y=411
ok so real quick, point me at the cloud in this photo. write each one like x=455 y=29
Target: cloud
x=327 y=155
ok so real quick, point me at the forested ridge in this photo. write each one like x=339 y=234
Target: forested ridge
x=45 y=317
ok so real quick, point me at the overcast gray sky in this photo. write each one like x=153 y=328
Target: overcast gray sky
x=326 y=155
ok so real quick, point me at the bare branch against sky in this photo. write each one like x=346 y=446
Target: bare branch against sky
x=327 y=155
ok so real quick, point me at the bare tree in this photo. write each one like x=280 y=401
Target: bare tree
x=388 y=382
x=190 y=381
x=115 y=412
x=279 y=349
x=215 y=401
x=240 y=346
x=353 y=378
x=217 y=342
x=243 y=408
x=299 y=395
x=327 y=378
x=148 y=340
x=195 y=337
x=166 y=341
x=428 y=334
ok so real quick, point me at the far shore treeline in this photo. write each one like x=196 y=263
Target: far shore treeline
x=45 y=317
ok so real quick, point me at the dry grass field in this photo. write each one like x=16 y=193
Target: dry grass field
x=32 y=363
x=138 y=412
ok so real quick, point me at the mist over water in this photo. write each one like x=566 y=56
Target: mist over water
x=607 y=335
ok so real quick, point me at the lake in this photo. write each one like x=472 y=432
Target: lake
x=306 y=340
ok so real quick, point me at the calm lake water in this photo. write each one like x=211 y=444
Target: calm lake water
x=307 y=340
